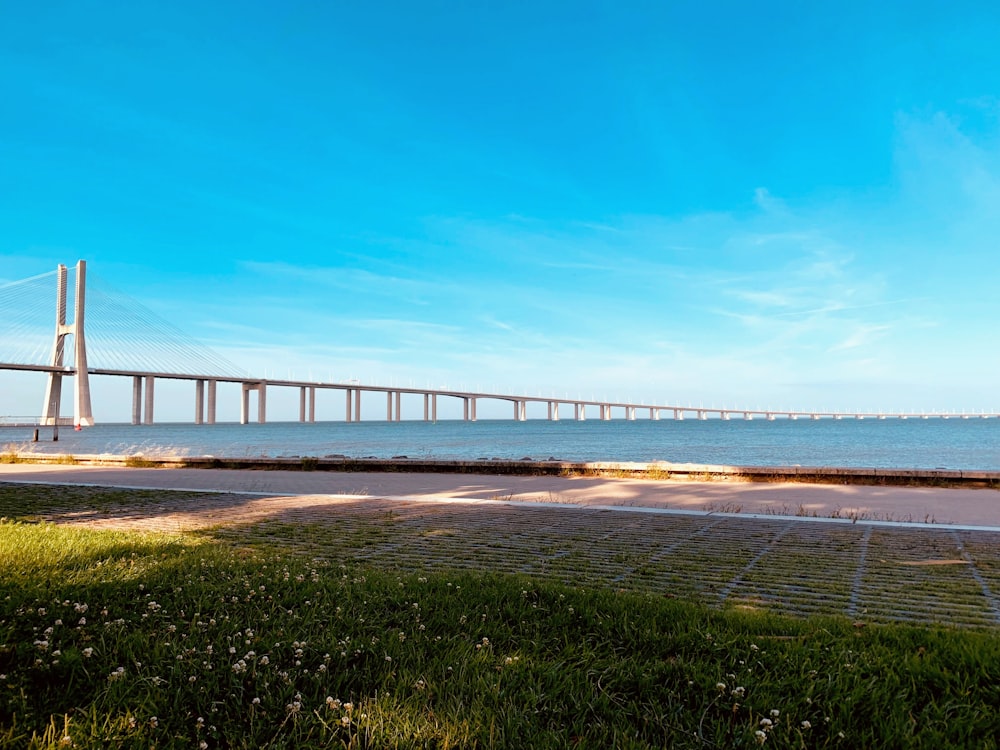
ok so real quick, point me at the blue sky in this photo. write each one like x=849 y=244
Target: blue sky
x=771 y=204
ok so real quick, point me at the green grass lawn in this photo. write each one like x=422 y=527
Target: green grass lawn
x=115 y=639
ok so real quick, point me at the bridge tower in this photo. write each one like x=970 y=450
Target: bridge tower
x=82 y=414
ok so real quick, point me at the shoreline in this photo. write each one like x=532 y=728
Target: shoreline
x=656 y=470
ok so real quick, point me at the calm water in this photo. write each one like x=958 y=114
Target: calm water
x=926 y=444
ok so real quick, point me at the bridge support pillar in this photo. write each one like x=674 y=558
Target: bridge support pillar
x=347 y=405
x=211 y=401
x=555 y=411
x=472 y=406
x=388 y=406
x=302 y=403
x=312 y=403
x=679 y=415
x=136 y=399
x=427 y=401
x=199 y=401
x=399 y=404
x=434 y=408
x=520 y=410
x=148 y=416
x=357 y=404
x=261 y=388
x=465 y=409
x=82 y=414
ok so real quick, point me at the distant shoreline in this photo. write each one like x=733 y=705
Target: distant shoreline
x=657 y=470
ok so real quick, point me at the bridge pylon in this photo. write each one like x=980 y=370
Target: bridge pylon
x=82 y=414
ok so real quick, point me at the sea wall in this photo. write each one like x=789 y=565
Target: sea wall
x=526 y=467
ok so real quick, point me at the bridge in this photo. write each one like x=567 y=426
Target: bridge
x=118 y=354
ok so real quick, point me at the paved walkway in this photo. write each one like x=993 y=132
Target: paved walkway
x=970 y=507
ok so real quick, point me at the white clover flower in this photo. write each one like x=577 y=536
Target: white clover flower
x=775 y=713
x=720 y=686
x=345 y=720
x=760 y=737
x=739 y=691
x=806 y=724
x=766 y=723
x=154 y=722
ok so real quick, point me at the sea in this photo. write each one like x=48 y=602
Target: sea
x=963 y=444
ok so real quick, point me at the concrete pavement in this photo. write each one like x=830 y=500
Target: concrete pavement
x=972 y=507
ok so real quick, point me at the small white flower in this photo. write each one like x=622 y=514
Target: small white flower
x=775 y=713
x=766 y=723
x=806 y=724
x=345 y=720
x=760 y=737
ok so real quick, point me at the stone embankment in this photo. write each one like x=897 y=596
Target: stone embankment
x=658 y=470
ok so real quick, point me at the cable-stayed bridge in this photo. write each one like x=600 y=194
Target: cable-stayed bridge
x=101 y=332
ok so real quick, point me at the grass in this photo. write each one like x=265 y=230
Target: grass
x=125 y=639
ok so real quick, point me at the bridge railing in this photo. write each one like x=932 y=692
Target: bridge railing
x=31 y=421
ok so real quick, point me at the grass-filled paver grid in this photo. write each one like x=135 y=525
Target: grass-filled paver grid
x=707 y=561
x=924 y=570
x=809 y=571
x=782 y=565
